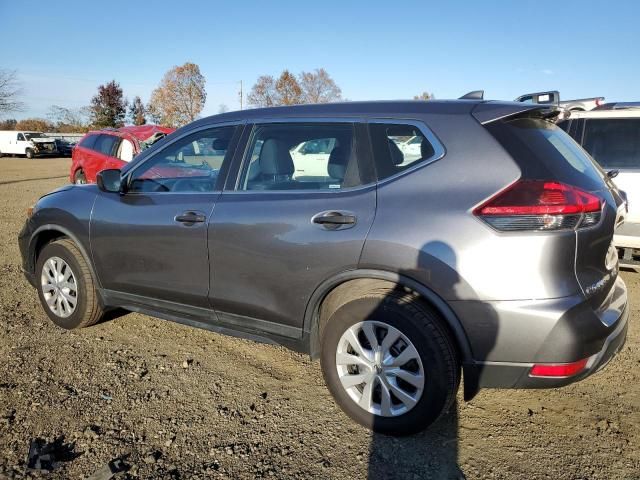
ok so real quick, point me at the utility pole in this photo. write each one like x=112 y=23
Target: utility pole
x=240 y=94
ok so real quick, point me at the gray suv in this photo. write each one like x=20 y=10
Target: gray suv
x=487 y=251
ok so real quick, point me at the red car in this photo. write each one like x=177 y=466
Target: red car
x=110 y=148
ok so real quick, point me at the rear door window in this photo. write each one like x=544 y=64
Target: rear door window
x=106 y=144
x=613 y=142
x=88 y=141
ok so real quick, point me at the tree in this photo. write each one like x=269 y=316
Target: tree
x=9 y=92
x=288 y=91
x=108 y=106
x=34 y=124
x=8 y=124
x=424 y=96
x=180 y=97
x=319 y=87
x=222 y=108
x=263 y=93
x=69 y=120
x=137 y=111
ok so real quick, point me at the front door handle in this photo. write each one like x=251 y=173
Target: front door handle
x=189 y=218
x=334 y=220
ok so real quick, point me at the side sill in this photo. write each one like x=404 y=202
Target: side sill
x=233 y=325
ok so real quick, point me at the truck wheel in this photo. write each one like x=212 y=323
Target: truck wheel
x=66 y=286
x=29 y=153
x=79 y=178
x=389 y=362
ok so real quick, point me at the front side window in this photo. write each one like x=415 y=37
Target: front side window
x=398 y=147
x=301 y=157
x=613 y=142
x=106 y=144
x=21 y=137
x=191 y=164
x=88 y=141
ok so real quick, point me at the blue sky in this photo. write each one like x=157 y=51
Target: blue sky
x=373 y=49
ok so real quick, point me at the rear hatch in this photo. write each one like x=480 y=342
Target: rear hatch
x=555 y=168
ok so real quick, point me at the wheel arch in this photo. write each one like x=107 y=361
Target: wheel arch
x=46 y=234
x=312 y=312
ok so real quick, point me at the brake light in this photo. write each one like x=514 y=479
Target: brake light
x=599 y=101
x=540 y=205
x=558 y=369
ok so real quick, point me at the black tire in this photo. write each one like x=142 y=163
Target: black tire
x=424 y=328
x=87 y=310
x=29 y=153
x=79 y=178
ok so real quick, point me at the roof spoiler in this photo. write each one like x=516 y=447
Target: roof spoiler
x=473 y=95
x=488 y=112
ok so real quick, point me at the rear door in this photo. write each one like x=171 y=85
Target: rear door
x=615 y=144
x=274 y=237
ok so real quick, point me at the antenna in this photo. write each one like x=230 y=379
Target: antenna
x=474 y=95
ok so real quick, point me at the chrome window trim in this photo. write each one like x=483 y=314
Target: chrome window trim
x=439 y=151
x=129 y=173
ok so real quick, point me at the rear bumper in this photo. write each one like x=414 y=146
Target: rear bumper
x=509 y=338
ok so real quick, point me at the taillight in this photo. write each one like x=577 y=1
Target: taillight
x=599 y=101
x=540 y=205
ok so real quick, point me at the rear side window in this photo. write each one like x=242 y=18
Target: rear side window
x=544 y=151
x=106 y=144
x=88 y=141
x=398 y=147
x=301 y=156
x=613 y=142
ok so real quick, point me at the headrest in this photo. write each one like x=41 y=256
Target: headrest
x=338 y=160
x=397 y=157
x=275 y=158
x=220 y=144
x=426 y=150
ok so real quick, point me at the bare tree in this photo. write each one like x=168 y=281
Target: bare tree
x=137 y=112
x=180 y=97
x=424 y=96
x=319 y=87
x=8 y=124
x=69 y=119
x=288 y=91
x=35 y=124
x=10 y=91
x=263 y=93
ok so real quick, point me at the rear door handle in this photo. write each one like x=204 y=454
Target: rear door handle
x=333 y=220
x=189 y=218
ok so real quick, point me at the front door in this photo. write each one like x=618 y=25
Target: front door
x=152 y=241
x=276 y=235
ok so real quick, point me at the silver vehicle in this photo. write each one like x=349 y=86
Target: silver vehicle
x=489 y=253
x=612 y=137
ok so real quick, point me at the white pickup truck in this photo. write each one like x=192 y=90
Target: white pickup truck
x=29 y=144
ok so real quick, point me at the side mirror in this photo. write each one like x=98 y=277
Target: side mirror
x=109 y=181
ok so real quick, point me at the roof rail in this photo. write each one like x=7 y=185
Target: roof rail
x=474 y=95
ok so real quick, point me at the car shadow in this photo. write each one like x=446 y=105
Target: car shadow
x=432 y=453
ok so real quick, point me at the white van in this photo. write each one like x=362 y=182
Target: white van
x=29 y=144
x=612 y=137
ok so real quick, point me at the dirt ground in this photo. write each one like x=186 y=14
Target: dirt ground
x=176 y=402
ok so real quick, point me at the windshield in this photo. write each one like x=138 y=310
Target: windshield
x=32 y=135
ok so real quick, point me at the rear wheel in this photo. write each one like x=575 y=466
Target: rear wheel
x=29 y=153
x=79 y=178
x=66 y=287
x=389 y=362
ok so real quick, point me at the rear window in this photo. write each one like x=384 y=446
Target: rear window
x=544 y=151
x=613 y=142
x=88 y=141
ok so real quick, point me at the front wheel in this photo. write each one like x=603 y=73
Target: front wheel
x=66 y=287
x=389 y=362
x=29 y=153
